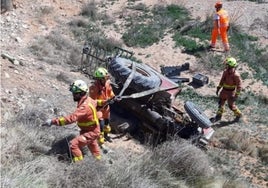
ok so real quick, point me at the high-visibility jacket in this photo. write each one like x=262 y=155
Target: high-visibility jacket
x=102 y=93
x=222 y=16
x=85 y=115
x=231 y=81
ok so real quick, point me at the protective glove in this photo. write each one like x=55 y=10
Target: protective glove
x=217 y=91
x=48 y=123
x=114 y=99
x=109 y=101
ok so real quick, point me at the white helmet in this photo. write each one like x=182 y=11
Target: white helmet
x=79 y=86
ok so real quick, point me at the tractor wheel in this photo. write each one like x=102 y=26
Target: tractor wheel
x=143 y=79
x=197 y=115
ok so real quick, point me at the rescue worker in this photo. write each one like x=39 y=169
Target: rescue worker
x=101 y=90
x=230 y=86
x=220 y=27
x=86 y=117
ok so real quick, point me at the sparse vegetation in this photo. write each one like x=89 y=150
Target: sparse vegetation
x=53 y=47
x=190 y=94
x=90 y=10
x=34 y=156
x=142 y=35
x=172 y=164
x=6 y=5
x=150 y=28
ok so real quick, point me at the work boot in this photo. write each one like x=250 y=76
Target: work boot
x=211 y=47
x=237 y=118
x=216 y=118
x=108 y=138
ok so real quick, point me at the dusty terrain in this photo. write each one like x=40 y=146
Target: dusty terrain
x=28 y=77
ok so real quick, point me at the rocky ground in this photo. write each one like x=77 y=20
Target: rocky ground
x=25 y=77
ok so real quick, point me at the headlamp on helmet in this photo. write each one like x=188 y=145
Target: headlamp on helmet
x=78 y=86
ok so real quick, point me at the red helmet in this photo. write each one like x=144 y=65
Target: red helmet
x=218 y=4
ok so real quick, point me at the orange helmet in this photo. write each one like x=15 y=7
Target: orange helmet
x=218 y=4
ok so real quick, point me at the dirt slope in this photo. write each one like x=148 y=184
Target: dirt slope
x=29 y=77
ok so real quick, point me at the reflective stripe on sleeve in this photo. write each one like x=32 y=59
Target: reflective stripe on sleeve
x=62 y=121
x=99 y=102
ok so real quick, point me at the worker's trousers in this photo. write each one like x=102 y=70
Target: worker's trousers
x=224 y=37
x=88 y=139
x=227 y=95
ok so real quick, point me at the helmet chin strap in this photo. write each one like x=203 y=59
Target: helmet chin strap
x=78 y=96
x=102 y=81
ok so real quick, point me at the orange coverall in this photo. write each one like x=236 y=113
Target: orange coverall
x=86 y=117
x=221 y=25
x=102 y=93
x=231 y=86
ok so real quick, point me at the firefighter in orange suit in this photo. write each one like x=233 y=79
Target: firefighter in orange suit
x=230 y=86
x=220 y=27
x=101 y=90
x=86 y=117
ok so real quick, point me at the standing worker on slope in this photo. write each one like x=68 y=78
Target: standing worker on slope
x=230 y=84
x=86 y=117
x=220 y=27
x=101 y=90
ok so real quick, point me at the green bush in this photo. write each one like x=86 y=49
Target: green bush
x=190 y=45
x=150 y=27
x=246 y=49
x=142 y=35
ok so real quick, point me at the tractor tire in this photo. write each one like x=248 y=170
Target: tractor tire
x=197 y=115
x=144 y=78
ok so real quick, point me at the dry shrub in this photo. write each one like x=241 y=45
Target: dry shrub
x=238 y=140
x=87 y=173
x=31 y=173
x=235 y=16
x=183 y=159
x=44 y=10
x=31 y=160
x=90 y=10
x=6 y=5
x=139 y=170
x=62 y=77
x=168 y=165
x=56 y=49
x=79 y=22
x=264 y=153
x=235 y=184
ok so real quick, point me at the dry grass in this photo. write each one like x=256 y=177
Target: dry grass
x=25 y=157
x=56 y=49
x=264 y=153
x=173 y=164
x=237 y=140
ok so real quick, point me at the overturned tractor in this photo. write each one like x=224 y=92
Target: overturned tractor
x=147 y=99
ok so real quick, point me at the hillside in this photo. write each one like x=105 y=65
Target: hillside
x=44 y=40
